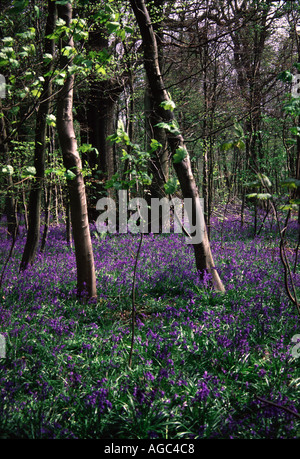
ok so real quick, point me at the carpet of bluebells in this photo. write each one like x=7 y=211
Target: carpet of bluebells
x=205 y=364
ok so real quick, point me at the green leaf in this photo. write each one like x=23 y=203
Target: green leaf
x=168 y=105
x=7 y=170
x=8 y=51
x=18 y=7
x=36 y=93
x=58 y=172
x=112 y=26
x=291 y=141
x=60 y=22
x=51 y=120
x=292 y=106
x=171 y=185
x=85 y=147
x=239 y=132
x=171 y=127
x=288 y=207
x=180 y=154
x=3 y=62
x=121 y=33
x=100 y=69
x=28 y=34
x=112 y=138
x=146 y=179
x=285 y=76
x=29 y=171
x=263 y=196
x=67 y=51
x=60 y=80
x=295 y=130
x=155 y=145
x=225 y=146
x=69 y=175
x=8 y=41
x=290 y=183
x=251 y=195
x=240 y=144
x=163 y=125
x=129 y=29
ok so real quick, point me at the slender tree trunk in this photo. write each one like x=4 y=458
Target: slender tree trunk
x=68 y=224
x=48 y=196
x=86 y=279
x=101 y=111
x=203 y=256
x=35 y=198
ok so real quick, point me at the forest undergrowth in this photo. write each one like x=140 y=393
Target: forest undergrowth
x=204 y=364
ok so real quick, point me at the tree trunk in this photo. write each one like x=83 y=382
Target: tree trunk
x=48 y=196
x=86 y=279
x=203 y=256
x=35 y=198
x=101 y=121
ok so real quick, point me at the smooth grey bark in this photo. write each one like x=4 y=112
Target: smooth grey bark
x=86 y=279
x=203 y=255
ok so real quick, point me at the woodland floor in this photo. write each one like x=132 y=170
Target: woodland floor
x=205 y=364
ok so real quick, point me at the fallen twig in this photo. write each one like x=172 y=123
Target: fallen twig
x=276 y=405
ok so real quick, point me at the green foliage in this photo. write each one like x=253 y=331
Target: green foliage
x=171 y=127
x=237 y=141
x=259 y=196
x=290 y=183
x=262 y=180
x=168 y=105
x=171 y=185
x=285 y=76
x=292 y=106
x=180 y=154
x=87 y=147
x=225 y=146
x=18 y=7
x=70 y=175
x=136 y=160
x=295 y=130
x=51 y=120
x=7 y=170
x=28 y=172
x=154 y=145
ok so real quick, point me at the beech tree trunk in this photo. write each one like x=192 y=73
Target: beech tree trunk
x=86 y=279
x=203 y=255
